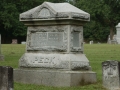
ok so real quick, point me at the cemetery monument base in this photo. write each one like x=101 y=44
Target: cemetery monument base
x=54 y=48
x=55 y=78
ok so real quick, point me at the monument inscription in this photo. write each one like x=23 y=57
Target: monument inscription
x=47 y=39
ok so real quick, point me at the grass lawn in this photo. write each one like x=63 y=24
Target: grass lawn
x=96 y=53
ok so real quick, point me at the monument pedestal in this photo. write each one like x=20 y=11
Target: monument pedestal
x=54 y=49
x=55 y=61
x=58 y=78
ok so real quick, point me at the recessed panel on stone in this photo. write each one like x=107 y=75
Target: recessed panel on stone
x=75 y=41
x=76 y=38
x=47 y=40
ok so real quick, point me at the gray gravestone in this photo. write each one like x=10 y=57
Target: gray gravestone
x=6 y=78
x=14 y=41
x=118 y=33
x=114 y=41
x=111 y=75
x=54 y=43
x=1 y=56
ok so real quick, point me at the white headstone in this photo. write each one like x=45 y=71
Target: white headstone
x=111 y=75
x=23 y=42
x=118 y=33
x=91 y=42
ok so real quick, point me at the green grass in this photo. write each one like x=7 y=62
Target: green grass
x=96 y=53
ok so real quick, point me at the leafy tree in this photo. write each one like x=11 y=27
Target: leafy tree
x=9 y=16
x=104 y=17
x=111 y=12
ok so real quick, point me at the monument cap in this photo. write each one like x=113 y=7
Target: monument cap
x=53 y=11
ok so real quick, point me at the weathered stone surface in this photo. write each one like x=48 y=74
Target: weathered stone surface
x=54 y=77
x=114 y=40
x=55 y=61
x=111 y=75
x=6 y=78
x=55 y=11
x=54 y=42
x=14 y=41
x=64 y=41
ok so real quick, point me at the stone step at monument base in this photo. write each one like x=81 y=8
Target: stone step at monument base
x=55 y=78
x=1 y=57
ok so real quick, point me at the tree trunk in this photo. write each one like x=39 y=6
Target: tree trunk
x=111 y=31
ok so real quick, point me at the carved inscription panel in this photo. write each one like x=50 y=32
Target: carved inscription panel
x=76 y=41
x=110 y=74
x=47 y=40
x=76 y=38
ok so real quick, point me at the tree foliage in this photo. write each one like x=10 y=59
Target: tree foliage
x=104 y=17
x=9 y=16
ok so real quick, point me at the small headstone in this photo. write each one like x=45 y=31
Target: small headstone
x=23 y=42
x=91 y=42
x=111 y=75
x=113 y=41
x=6 y=78
x=14 y=41
x=109 y=41
x=98 y=43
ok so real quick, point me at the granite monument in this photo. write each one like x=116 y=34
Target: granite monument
x=54 y=48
